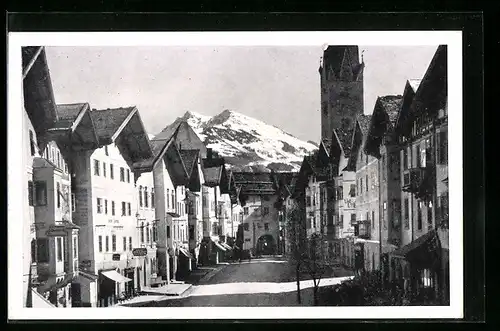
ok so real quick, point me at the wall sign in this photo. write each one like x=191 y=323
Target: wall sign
x=116 y=257
x=140 y=251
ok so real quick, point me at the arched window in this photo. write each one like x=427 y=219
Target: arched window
x=146 y=203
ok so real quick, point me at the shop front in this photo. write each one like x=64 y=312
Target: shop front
x=419 y=267
x=110 y=282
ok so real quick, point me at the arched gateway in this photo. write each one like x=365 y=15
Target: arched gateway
x=266 y=245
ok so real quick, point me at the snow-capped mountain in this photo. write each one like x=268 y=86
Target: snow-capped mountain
x=248 y=144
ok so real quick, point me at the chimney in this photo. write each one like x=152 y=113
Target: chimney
x=209 y=153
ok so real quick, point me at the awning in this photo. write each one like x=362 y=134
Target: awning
x=226 y=246
x=173 y=214
x=219 y=246
x=88 y=276
x=423 y=250
x=115 y=276
x=39 y=301
x=185 y=252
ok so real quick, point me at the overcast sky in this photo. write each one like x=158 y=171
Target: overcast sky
x=278 y=85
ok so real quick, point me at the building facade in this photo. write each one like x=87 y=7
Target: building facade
x=421 y=264
x=105 y=205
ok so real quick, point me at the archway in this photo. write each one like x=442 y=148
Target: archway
x=266 y=245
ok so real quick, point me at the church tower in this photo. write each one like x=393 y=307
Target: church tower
x=341 y=88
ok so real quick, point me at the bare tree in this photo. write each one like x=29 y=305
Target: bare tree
x=309 y=254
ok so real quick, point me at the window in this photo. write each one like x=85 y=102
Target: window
x=366 y=182
x=112 y=208
x=361 y=186
x=443 y=147
x=128 y=176
x=96 y=168
x=142 y=233
x=73 y=202
x=266 y=211
x=107 y=243
x=246 y=227
x=419 y=215
x=353 y=219
x=146 y=202
x=155 y=231
x=106 y=150
x=113 y=242
x=122 y=174
x=30 y=193
x=405 y=159
x=168 y=230
x=58 y=195
x=429 y=216
x=124 y=244
x=426 y=278
x=66 y=167
x=342 y=220
x=104 y=169
x=373 y=219
x=130 y=243
x=58 y=160
x=406 y=213
x=152 y=198
x=147 y=233
x=106 y=206
x=266 y=226
x=32 y=143
x=352 y=191
x=111 y=171
x=245 y=211
x=419 y=164
x=129 y=207
x=100 y=244
x=340 y=193
x=140 y=196
x=124 y=208
x=59 y=249
x=168 y=200
x=42 y=250
x=99 y=205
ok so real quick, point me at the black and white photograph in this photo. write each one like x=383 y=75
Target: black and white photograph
x=203 y=175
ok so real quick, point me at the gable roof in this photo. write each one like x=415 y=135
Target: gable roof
x=212 y=175
x=431 y=94
x=344 y=138
x=75 y=127
x=175 y=166
x=255 y=183
x=38 y=94
x=190 y=158
x=159 y=145
x=385 y=114
x=110 y=122
x=364 y=123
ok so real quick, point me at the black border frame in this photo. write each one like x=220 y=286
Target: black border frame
x=471 y=24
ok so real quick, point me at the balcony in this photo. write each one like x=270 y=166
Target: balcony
x=418 y=181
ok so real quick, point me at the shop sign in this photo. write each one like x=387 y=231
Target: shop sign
x=116 y=257
x=140 y=252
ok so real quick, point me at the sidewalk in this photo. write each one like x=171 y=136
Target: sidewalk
x=150 y=295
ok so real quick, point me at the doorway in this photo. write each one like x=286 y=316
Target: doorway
x=76 y=295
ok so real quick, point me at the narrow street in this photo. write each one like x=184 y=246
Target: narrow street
x=260 y=282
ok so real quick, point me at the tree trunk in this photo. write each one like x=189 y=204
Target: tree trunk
x=315 y=294
x=297 y=273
